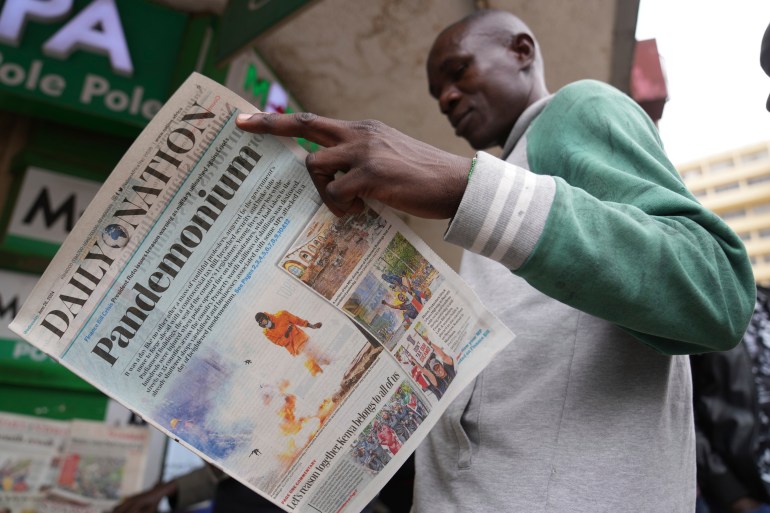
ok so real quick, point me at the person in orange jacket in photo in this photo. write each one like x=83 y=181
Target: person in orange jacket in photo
x=284 y=329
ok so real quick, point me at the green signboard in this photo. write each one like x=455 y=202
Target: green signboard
x=111 y=59
x=20 y=363
x=244 y=20
x=53 y=403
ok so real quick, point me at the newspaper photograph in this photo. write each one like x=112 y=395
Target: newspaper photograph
x=101 y=464
x=208 y=289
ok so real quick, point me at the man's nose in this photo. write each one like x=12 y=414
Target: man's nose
x=448 y=99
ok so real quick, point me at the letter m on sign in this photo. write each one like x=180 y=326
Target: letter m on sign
x=47 y=208
x=42 y=206
x=11 y=307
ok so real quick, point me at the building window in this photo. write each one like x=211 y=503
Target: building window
x=689 y=174
x=700 y=194
x=766 y=259
x=764 y=208
x=758 y=179
x=721 y=165
x=726 y=187
x=764 y=233
x=753 y=260
x=745 y=236
x=755 y=156
x=734 y=214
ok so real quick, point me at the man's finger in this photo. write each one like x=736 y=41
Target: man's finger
x=324 y=166
x=322 y=174
x=346 y=192
x=328 y=161
x=337 y=207
x=317 y=129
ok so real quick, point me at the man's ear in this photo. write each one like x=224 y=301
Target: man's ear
x=523 y=46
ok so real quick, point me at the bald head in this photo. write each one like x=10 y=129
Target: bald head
x=499 y=27
x=485 y=70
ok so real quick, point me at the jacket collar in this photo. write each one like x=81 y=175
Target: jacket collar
x=521 y=125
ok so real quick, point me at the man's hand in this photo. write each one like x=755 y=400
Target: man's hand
x=146 y=502
x=749 y=505
x=379 y=162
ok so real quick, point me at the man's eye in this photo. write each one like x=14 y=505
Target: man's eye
x=459 y=71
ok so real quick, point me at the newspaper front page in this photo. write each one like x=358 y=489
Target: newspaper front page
x=209 y=290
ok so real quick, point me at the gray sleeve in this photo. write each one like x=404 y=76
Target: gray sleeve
x=503 y=211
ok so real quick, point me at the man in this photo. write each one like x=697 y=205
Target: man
x=367 y=460
x=388 y=418
x=442 y=368
x=400 y=281
x=609 y=267
x=406 y=418
x=285 y=329
x=731 y=400
x=410 y=307
x=373 y=446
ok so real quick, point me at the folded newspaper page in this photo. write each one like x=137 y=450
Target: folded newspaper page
x=30 y=449
x=209 y=290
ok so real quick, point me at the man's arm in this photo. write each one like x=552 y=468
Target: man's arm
x=624 y=239
x=147 y=501
x=619 y=236
x=299 y=321
x=441 y=354
x=196 y=486
x=610 y=227
x=392 y=305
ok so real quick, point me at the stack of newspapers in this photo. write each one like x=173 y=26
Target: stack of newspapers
x=62 y=466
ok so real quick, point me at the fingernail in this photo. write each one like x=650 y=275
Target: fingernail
x=244 y=117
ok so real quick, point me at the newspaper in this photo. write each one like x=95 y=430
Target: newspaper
x=209 y=290
x=29 y=454
x=101 y=464
x=83 y=466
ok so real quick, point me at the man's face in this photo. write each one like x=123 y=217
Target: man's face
x=478 y=83
x=439 y=370
x=264 y=322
